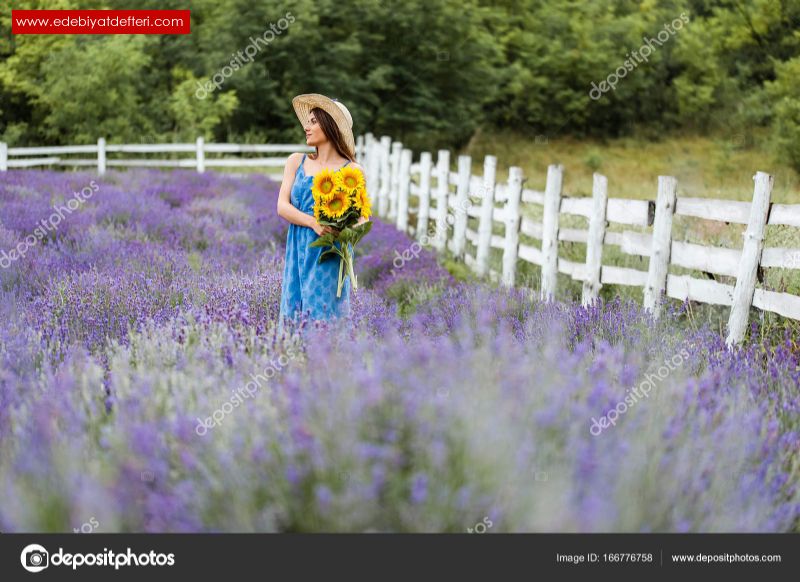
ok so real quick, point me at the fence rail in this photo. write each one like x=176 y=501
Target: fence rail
x=29 y=157
x=446 y=198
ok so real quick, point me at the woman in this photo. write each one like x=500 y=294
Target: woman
x=309 y=288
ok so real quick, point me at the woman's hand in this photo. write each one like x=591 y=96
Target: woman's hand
x=322 y=230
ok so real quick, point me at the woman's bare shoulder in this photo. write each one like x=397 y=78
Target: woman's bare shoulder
x=293 y=161
x=357 y=166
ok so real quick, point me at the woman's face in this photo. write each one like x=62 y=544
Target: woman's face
x=314 y=134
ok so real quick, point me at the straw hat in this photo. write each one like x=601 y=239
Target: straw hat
x=303 y=104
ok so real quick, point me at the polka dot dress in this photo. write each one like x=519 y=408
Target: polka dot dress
x=309 y=287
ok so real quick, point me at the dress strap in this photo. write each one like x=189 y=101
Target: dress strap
x=347 y=162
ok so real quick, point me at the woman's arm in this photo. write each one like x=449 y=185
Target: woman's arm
x=286 y=209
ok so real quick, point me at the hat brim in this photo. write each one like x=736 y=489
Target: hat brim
x=303 y=104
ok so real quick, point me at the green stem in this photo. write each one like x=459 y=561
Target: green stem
x=350 y=272
x=341 y=279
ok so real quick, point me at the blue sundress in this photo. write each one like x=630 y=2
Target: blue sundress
x=309 y=288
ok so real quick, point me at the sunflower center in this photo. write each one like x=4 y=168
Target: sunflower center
x=336 y=205
x=326 y=187
x=350 y=181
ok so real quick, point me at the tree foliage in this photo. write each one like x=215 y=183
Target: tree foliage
x=429 y=73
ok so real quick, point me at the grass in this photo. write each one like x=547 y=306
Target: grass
x=719 y=166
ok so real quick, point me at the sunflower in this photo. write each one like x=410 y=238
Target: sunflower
x=337 y=204
x=324 y=185
x=349 y=178
x=363 y=203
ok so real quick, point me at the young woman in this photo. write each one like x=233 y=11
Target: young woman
x=308 y=286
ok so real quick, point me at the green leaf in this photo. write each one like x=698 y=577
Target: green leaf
x=363 y=228
x=324 y=241
x=346 y=235
x=361 y=231
x=329 y=254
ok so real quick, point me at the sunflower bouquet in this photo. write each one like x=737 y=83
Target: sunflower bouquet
x=341 y=202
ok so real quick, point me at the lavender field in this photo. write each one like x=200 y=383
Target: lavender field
x=145 y=386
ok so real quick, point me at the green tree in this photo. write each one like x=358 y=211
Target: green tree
x=196 y=116
x=102 y=96
x=785 y=93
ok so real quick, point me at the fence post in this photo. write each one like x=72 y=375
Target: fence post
x=3 y=156
x=751 y=258
x=511 y=247
x=403 y=186
x=485 y=223
x=552 y=204
x=662 y=240
x=364 y=157
x=394 y=162
x=372 y=160
x=424 y=208
x=386 y=176
x=101 y=156
x=201 y=155
x=594 y=245
x=442 y=195
x=361 y=140
x=462 y=202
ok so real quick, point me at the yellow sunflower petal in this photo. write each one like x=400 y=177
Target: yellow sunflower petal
x=324 y=185
x=337 y=205
x=349 y=178
x=363 y=203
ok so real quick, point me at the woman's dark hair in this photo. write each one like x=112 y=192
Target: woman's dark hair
x=333 y=134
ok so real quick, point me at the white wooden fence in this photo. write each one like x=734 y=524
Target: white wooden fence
x=28 y=157
x=395 y=182
x=411 y=195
